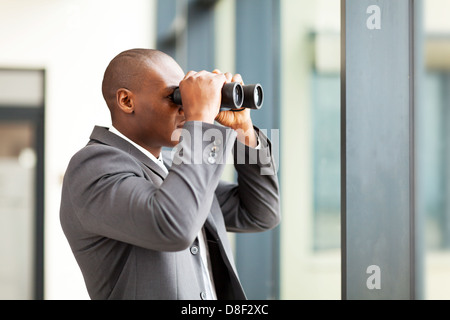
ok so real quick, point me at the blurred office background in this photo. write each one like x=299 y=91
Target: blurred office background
x=52 y=57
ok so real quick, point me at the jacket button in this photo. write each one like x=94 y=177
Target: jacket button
x=194 y=250
x=203 y=295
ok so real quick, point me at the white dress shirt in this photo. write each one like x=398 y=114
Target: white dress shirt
x=203 y=247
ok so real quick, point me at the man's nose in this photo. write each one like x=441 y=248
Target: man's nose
x=181 y=111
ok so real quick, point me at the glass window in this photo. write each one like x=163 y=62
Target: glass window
x=326 y=160
x=21 y=183
x=433 y=150
x=17 y=190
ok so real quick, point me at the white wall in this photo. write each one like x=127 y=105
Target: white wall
x=73 y=40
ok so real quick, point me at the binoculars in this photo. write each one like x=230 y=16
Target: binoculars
x=234 y=96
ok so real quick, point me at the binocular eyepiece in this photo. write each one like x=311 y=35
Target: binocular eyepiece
x=234 y=96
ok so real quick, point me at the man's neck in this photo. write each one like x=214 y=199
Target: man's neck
x=155 y=152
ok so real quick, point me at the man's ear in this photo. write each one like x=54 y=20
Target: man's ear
x=125 y=100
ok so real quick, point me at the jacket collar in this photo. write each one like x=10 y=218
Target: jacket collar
x=104 y=136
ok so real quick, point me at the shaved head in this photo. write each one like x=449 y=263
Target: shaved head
x=137 y=87
x=127 y=71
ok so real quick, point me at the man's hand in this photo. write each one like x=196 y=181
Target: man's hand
x=239 y=120
x=201 y=93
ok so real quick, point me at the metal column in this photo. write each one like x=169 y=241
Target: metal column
x=378 y=102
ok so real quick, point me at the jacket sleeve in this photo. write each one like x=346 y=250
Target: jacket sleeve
x=253 y=203
x=106 y=191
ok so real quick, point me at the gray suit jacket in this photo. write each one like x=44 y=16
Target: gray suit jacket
x=131 y=227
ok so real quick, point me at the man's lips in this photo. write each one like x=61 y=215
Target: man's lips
x=180 y=125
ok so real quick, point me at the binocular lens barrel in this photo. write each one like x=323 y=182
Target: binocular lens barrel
x=253 y=96
x=234 y=96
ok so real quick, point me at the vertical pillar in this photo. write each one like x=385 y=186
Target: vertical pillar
x=200 y=35
x=378 y=100
x=257 y=60
x=166 y=30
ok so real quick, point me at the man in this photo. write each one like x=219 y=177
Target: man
x=142 y=229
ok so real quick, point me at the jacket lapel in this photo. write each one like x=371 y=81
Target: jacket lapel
x=104 y=136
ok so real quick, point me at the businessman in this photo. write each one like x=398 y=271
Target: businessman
x=143 y=225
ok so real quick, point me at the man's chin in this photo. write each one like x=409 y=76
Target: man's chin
x=173 y=143
x=175 y=138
